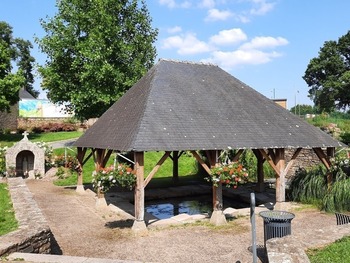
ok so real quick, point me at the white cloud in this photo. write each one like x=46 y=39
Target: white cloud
x=261 y=7
x=228 y=60
x=173 y=3
x=186 y=44
x=228 y=37
x=207 y=4
x=215 y=15
x=168 y=3
x=265 y=42
x=174 y=30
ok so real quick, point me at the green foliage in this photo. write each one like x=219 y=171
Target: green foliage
x=339 y=251
x=12 y=50
x=231 y=175
x=345 y=138
x=8 y=221
x=96 y=51
x=310 y=186
x=302 y=109
x=328 y=75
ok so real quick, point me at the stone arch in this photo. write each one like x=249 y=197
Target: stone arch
x=24 y=163
x=26 y=158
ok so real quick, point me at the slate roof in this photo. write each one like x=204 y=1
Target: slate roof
x=23 y=94
x=195 y=106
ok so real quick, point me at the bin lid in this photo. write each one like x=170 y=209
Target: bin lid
x=278 y=215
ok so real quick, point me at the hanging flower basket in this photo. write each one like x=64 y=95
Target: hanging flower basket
x=105 y=178
x=231 y=175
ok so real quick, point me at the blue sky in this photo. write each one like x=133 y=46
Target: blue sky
x=265 y=43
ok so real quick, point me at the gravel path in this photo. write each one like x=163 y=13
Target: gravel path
x=81 y=230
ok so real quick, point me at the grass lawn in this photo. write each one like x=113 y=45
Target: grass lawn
x=10 y=139
x=187 y=169
x=8 y=221
x=339 y=251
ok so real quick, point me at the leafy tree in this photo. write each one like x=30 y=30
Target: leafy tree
x=328 y=75
x=96 y=51
x=302 y=109
x=10 y=83
x=25 y=62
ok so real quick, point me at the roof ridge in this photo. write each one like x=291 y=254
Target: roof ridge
x=188 y=62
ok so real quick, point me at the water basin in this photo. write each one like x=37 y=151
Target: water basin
x=191 y=205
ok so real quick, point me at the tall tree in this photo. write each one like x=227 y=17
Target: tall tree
x=25 y=62
x=10 y=83
x=328 y=75
x=96 y=51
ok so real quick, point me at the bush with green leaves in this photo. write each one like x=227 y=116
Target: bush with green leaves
x=311 y=186
x=2 y=161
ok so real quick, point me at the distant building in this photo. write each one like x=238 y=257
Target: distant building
x=281 y=102
x=8 y=120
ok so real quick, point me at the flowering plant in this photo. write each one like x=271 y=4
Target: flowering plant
x=105 y=178
x=230 y=174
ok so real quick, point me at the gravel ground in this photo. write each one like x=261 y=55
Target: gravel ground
x=81 y=230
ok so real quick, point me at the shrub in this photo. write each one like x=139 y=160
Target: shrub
x=311 y=186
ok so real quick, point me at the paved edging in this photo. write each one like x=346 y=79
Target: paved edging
x=290 y=249
x=33 y=234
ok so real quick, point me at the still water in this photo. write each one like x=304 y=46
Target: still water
x=191 y=205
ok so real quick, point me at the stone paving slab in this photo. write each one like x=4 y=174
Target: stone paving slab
x=42 y=258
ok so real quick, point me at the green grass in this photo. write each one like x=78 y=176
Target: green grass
x=8 y=221
x=187 y=169
x=10 y=139
x=339 y=251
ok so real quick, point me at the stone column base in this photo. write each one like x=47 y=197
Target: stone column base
x=80 y=189
x=101 y=203
x=218 y=218
x=139 y=228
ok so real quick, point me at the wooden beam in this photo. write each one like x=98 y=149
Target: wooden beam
x=260 y=187
x=202 y=163
x=280 y=180
x=270 y=161
x=80 y=156
x=155 y=168
x=238 y=154
x=139 y=189
x=106 y=157
x=175 y=166
x=291 y=161
x=323 y=158
x=326 y=162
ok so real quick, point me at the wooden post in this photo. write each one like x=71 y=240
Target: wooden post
x=280 y=177
x=217 y=217
x=80 y=157
x=175 y=166
x=260 y=186
x=139 y=225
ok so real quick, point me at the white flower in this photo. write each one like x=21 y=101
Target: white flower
x=110 y=177
x=114 y=181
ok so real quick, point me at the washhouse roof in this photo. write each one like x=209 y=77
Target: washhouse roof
x=195 y=106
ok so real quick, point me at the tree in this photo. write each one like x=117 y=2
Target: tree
x=96 y=51
x=25 y=62
x=10 y=83
x=328 y=75
x=302 y=109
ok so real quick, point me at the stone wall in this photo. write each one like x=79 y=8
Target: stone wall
x=306 y=159
x=33 y=234
x=30 y=123
x=8 y=120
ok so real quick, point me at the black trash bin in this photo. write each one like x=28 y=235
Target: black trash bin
x=276 y=223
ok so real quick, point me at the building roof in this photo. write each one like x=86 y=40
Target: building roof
x=23 y=94
x=195 y=106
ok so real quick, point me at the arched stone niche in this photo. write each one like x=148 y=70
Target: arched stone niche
x=25 y=158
